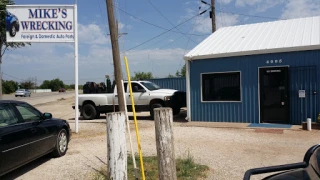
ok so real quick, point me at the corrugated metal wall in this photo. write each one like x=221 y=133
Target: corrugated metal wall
x=171 y=83
x=248 y=109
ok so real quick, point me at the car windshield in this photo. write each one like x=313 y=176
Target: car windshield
x=150 y=86
x=20 y=90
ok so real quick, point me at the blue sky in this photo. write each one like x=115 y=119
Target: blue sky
x=142 y=21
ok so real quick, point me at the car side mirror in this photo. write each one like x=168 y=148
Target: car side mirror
x=47 y=116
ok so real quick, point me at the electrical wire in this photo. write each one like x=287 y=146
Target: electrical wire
x=157 y=25
x=241 y=14
x=166 y=31
x=168 y=20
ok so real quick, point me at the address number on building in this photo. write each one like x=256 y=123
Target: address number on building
x=276 y=61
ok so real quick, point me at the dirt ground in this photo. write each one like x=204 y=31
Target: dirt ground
x=229 y=151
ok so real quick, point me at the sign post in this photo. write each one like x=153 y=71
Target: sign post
x=45 y=24
x=76 y=86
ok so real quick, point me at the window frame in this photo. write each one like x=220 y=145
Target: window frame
x=20 y=115
x=139 y=85
x=222 y=72
x=13 y=109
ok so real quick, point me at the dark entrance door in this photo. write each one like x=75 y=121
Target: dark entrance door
x=274 y=95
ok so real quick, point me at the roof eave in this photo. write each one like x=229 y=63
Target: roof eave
x=254 y=52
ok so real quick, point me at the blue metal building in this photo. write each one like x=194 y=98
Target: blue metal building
x=257 y=73
x=178 y=83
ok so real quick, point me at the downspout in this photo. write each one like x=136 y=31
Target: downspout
x=188 y=118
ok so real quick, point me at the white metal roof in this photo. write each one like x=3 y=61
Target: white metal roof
x=261 y=38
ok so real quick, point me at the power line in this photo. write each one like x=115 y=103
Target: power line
x=12 y=76
x=169 y=20
x=167 y=30
x=157 y=25
x=256 y=16
x=104 y=20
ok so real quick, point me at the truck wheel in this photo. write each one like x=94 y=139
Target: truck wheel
x=89 y=112
x=153 y=106
x=98 y=115
x=175 y=111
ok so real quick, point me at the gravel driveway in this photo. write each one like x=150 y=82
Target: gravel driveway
x=229 y=152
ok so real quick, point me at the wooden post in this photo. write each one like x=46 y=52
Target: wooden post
x=117 y=149
x=165 y=143
x=115 y=52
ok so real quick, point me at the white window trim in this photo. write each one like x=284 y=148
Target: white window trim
x=202 y=101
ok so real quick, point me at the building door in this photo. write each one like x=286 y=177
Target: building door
x=274 y=95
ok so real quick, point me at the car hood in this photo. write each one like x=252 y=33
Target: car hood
x=165 y=91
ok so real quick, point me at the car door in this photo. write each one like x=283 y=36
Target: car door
x=42 y=131
x=15 y=139
x=140 y=96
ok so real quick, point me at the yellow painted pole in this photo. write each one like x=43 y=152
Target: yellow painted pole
x=135 y=118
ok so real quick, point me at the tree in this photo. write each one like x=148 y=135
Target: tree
x=45 y=85
x=181 y=73
x=170 y=76
x=54 y=84
x=142 y=75
x=27 y=84
x=4 y=45
x=9 y=86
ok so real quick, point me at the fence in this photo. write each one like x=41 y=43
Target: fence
x=171 y=83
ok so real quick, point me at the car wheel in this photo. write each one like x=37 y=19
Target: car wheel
x=61 y=144
x=153 y=106
x=89 y=112
x=16 y=95
x=13 y=30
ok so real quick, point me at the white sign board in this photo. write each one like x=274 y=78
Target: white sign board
x=302 y=93
x=40 y=23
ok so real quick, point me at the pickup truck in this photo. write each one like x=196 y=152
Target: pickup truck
x=147 y=96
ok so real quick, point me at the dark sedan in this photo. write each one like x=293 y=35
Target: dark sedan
x=27 y=134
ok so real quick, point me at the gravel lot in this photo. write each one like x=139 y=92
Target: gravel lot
x=229 y=152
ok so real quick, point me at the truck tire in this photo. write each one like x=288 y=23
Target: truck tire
x=175 y=111
x=153 y=106
x=89 y=112
x=98 y=115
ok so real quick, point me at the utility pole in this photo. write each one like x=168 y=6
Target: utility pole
x=115 y=52
x=212 y=13
x=213 y=16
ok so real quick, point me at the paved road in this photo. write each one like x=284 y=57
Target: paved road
x=39 y=98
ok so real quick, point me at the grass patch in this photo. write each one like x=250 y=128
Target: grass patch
x=187 y=169
x=61 y=99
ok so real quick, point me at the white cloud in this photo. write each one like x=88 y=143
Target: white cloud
x=259 y=5
x=203 y=24
x=243 y=3
x=225 y=1
x=301 y=8
x=267 y=4
x=92 y=34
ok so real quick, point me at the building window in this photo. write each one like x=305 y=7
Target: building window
x=221 y=86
